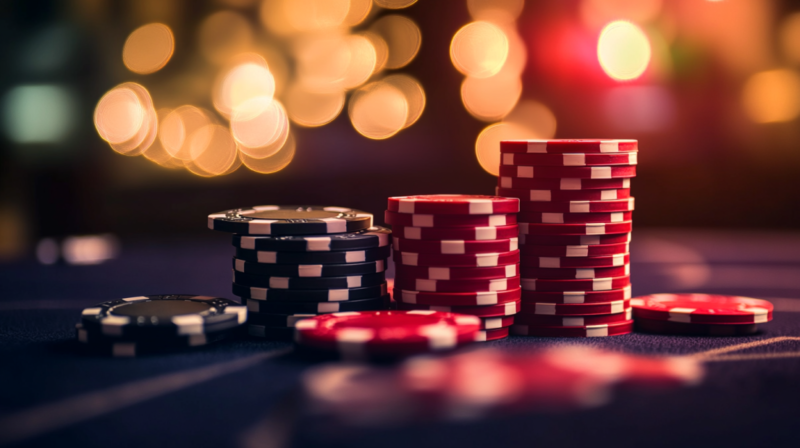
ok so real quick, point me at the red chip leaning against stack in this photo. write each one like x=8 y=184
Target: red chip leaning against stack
x=575 y=224
x=458 y=254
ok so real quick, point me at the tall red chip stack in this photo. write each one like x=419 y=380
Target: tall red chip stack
x=575 y=227
x=458 y=253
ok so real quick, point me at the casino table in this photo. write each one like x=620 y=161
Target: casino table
x=248 y=392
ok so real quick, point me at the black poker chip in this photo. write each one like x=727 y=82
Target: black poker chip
x=338 y=257
x=263 y=281
x=310 y=295
x=95 y=342
x=309 y=270
x=370 y=238
x=285 y=334
x=277 y=320
x=290 y=220
x=274 y=307
x=163 y=316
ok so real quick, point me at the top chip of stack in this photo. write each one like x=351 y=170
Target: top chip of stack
x=290 y=220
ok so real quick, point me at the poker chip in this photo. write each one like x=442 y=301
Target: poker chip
x=436 y=273
x=541 y=320
x=276 y=307
x=264 y=281
x=569 y=159
x=577 y=297
x=568 y=146
x=163 y=316
x=456 y=260
x=309 y=270
x=561 y=184
x=549 y=195
x=96 y=342
x=455 y=246
x=575 y=229
x=418 y=220
x=492 y=335
x=453 y=204
x=599 y=250
x=588 y=331
x=360 y=335
x=574 y=240
x=500 y=309
x=500 y=284
x=338 y=257
x=604 y=206
x=574 y=273
x=583 y=284
x=691 y=329
x=574 y=218
x=277 y=320
x=285 y=334
x=289 y=220
x=457 y=233
x=370 y=238
x=559 y=172
x=459 y=299
x=310 y=295
x=576 y=262
x=702 y=309
x=576 y=309
x=492 y=323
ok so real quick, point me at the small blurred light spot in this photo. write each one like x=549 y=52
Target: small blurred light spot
x=213 y=149
x=148 y=48
x=119 y=115
x=595 y=13
x=91 y=249
x=378 y=110
x=39 y=113
x=241 y=83
x=311 y=15
x=640 y=108
x=224 y=34
x=359 y=10
x=623 y=50
x=414 y=94
x=403 y=37
x=534 y=116
x=312 y=109
x=177 y=128
x=491 y=99
x=273 y=163
x=323 y=62
x=479 y=49
x=156 y=152
x=259 y=123
x=381 y=49
x=772 y=96
x=395 y=4
x=495 y=11
x=790 y=37
x=47 y=251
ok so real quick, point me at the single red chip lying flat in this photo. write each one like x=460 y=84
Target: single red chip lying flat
x=599 y=250
x=438 y=273
x=357 y=335
x=574 y=218
x=456 y=233
x=561 y=146
x=576 y=262
x=453 y=204
x=558 y=172
x=453 y=246
x=549 y=195
x=575 y=229
x=588 y=331
x=574 y=273
x=702 y=309
x=567 y=183
x=456 y=298
x=577 y=297
x=540 y=320
x=570 y=159
x=501 y=309
x=435 y=220
x=574 y=240
x=603 y=206
x=576 y=309
x=583 y=284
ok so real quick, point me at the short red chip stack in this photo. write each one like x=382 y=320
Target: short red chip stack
x=459 y=254
x=575 y=224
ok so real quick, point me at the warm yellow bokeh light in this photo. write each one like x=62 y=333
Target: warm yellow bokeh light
x=395 y=4
x=790 y=37
x=312 y=109
x=534 y=116
x=212 y=150
x=595 y=13
x=258 y=124
x=623 y=50
x=148 y=48
x=177 y=128
x=381 y=49
x=273 y=163
x=403 y=37
x=772 y=96
x=378 y=110
x=241 y=83
x=359 y=10
x=490 y=99
x=311 y=15
x=414 y=93
x=156 y=152
x=323 y=62
x=479 y=49
x=224 y=34
x=363 y=59
x=126 y=119
x=495 y=11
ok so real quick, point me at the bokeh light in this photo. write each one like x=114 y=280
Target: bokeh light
x=324 y=61
x=241 y=83
x=595 y=13
x=126 y=119
x=148 y=48
x=177 y=128
x=273 y=163
x=312 y=109
x=260 y=126
x=495 y=11
x=43 y=113
x=772 y=96
x=363 y=59
x=790 y=37
x=381 y=49
x=639 y=108
x=378 y=110
x=212 y=150
x=358 y=11
x=623 y=50
x=311 y=15
x=394 y=4
x=403 y=37
x=156 y=152
x=490 y=99
x=414 y=94
x=223 y=34
x=479 y=49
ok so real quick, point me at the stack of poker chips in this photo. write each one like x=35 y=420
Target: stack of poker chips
x=575 y=228
x=142 y=325
x=296 y=262
x=459 y=254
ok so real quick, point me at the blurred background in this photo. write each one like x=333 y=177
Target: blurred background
x=132 y=120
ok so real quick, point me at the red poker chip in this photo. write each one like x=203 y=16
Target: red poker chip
x=569 y=159
x=501 y=309
x=453 y=204
x=438 y=273
x=356 y=335
x=689 y=329
x=574 y=218
x=604 y=206
x=549 y=195
x=421 y=220
x=455 y=247
x=588 y=331
x=493 y=323
x=448 y=260
x=577 y=297
x=574 y=273
x=540 y=320
x=609 y=261
x=456 y=298
x=492 y=335
x=575 y=309
x=562 y=183
x=575 y=229
x=599 y=250
x=558 y=172
x=582 y=284
x=574 y=240
x=456 y=233
x=702 y=309
x=562 y=146
x=419 y=284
